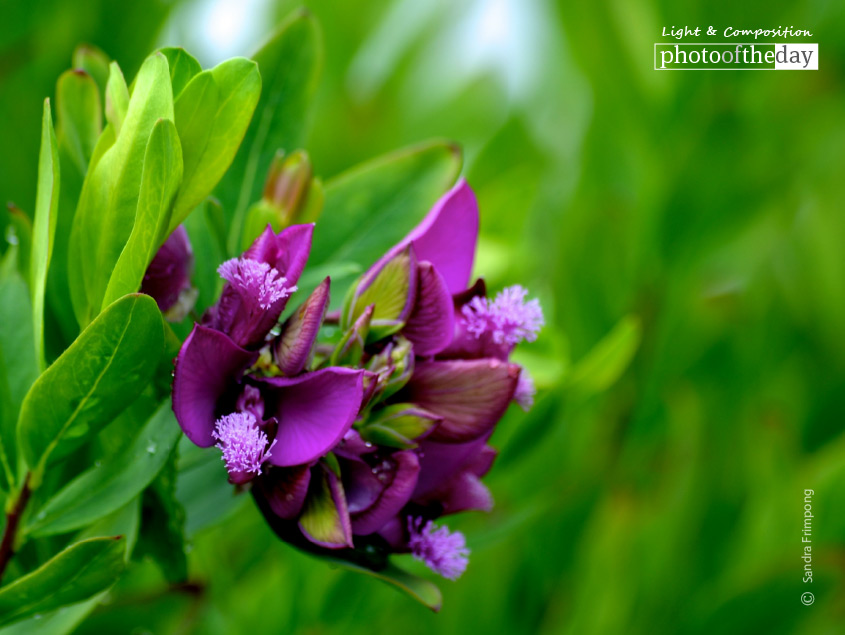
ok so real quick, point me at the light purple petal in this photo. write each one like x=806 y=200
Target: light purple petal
x=470 y=395
x=447 y=236
x=293 y=347
x=314 y=411
x=400 y=479
x=284 y=489
x=207 y=367
x=431 y=325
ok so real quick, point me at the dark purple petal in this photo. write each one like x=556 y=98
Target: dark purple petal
x=325 y=517
x=284 y=489
x=431 y=325
x=470 y=395
x=398 y=477
x=314 y=411
x=169 y=275
x=447 y=236
x=293 y=347
x=207 y=367
x=441 y=462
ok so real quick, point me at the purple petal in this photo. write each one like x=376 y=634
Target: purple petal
x=401 y=479
x=284 y=489
x=464 y=492
x=470 y=395
x=207 y=367
x=325 y=518
x=169 y=273
x=293 y=347
x=314 y=411
x=447 y=236
x=440 y=462
x=432 y=323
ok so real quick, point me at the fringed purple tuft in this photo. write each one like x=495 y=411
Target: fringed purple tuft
x=442 y=551
x=508 y=318
x=258 y=279
x=243 y=443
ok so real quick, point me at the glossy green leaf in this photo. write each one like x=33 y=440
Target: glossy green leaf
x=117 y=98
x=212 y=116
x=208 y=252
x=79 y=118
x=161 y=176
x=75 y=574
x=606 y=362
x=423 y=591
x=373 y=206
x=109 y=198
x=44 y=227
x=115 y=481
x=289 y=65
x=92 y=381
x=183 y=66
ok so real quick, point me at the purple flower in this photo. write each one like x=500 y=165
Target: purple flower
x=259 y=284
x=219 y=395
x=168 y=278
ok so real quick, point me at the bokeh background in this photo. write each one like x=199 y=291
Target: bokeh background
x=685 y=233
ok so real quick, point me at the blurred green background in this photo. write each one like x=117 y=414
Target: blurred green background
x=685 y=234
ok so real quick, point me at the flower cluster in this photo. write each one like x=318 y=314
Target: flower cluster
x=355 y=446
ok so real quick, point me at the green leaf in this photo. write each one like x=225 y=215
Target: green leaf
x=109 y=198
x=93 y=380
x=117 y=98
x=289 y=64
x=111 y=484
x=93 y=61
x=163 y=528
x=79 y=118
x=212 y=116
x=160 y=178
x=21 y=366
x=605 y=363
x=19 y=235
x=75 y=574
x=373 y=206
x=423 y=591
x=44 y=227
x=203 y=489
x=182 y=67
x=208 y=252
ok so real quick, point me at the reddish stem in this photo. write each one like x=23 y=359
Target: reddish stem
x=13 y=519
